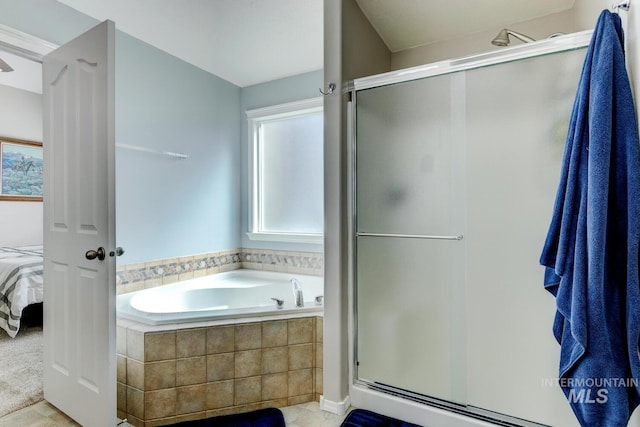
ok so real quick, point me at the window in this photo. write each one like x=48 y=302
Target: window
x=286 y=167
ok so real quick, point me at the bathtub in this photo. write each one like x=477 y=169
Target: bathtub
x=229 y=295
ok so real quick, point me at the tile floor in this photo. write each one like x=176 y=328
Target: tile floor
x=43 y=414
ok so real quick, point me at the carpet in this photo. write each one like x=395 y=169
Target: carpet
x=22 y=369
x=364 y=418
x=268 y=417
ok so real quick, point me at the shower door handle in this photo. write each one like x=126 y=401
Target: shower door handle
x=100 y=254
x=410 y=236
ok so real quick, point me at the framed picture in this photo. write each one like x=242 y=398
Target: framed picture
x=21 y=170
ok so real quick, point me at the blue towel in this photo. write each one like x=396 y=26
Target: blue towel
x=267 y=417
x=365 y=418
x=591 y=250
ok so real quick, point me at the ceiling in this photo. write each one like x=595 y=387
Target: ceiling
x=243 y=41
x=26 y=74
x=254 y=41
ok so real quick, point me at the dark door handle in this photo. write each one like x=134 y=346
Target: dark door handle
x=100 y=254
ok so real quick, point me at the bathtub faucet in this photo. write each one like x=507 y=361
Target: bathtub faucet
x=297 y=292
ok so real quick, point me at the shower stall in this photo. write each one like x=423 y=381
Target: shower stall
x=454 y=170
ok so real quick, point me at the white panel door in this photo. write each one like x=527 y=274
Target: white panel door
x=79 y=216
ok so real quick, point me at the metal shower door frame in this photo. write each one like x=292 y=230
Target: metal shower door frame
x=559 y=44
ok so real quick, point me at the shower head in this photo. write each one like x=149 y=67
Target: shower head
x=4 y=67
x=502 y=39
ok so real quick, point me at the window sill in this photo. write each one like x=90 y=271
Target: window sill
x=287 y=237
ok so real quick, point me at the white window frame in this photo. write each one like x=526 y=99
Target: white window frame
x=255 y=118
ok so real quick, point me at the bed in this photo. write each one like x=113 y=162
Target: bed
x=21 y=281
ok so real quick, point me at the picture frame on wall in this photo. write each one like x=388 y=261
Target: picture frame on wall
x=21 y=163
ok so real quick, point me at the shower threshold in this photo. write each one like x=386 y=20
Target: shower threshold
x=474 y=412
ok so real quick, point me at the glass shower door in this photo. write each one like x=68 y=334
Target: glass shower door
x=477 y=154
x=410 y=258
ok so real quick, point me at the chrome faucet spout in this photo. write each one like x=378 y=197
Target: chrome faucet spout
x=297 y=292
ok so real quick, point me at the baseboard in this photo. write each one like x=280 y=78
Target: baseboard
x=338 y=408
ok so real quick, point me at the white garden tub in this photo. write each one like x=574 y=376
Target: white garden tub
x=229 y=295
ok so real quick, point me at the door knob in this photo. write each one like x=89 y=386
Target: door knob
x=100 y=254
x=118 y=252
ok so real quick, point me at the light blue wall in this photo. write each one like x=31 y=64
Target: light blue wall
x=168 y=207
x=165 y=207
x=296 y=88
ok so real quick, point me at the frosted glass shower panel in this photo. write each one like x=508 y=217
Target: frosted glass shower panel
x=408 y=335
x=406 y=142
x=516 y=131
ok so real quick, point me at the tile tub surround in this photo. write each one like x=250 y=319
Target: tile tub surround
x=135 y=277
x=176 y=375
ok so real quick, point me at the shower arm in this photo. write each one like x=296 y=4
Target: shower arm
x=502 y=39
x=521 y=37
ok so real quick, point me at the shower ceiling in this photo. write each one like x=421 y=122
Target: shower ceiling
x=254 y=41
x=405 y=24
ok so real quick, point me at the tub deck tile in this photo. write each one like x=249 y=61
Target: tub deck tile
x=248 y=337
x=220 y=367
x=191 y=342
x=220 y=339
x=191 y=399
x=274 y=334
x=300 y=331
x=190 y=371
x=220 y=394
x=227 y=375
x=248 y=390
x=275 y=359
x=160 y=404
x=159 y=346
x=248 y=363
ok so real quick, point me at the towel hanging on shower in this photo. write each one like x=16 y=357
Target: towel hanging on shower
x=591 y=250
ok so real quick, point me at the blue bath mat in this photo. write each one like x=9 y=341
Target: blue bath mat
x=269 y=417
x=364 y=418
